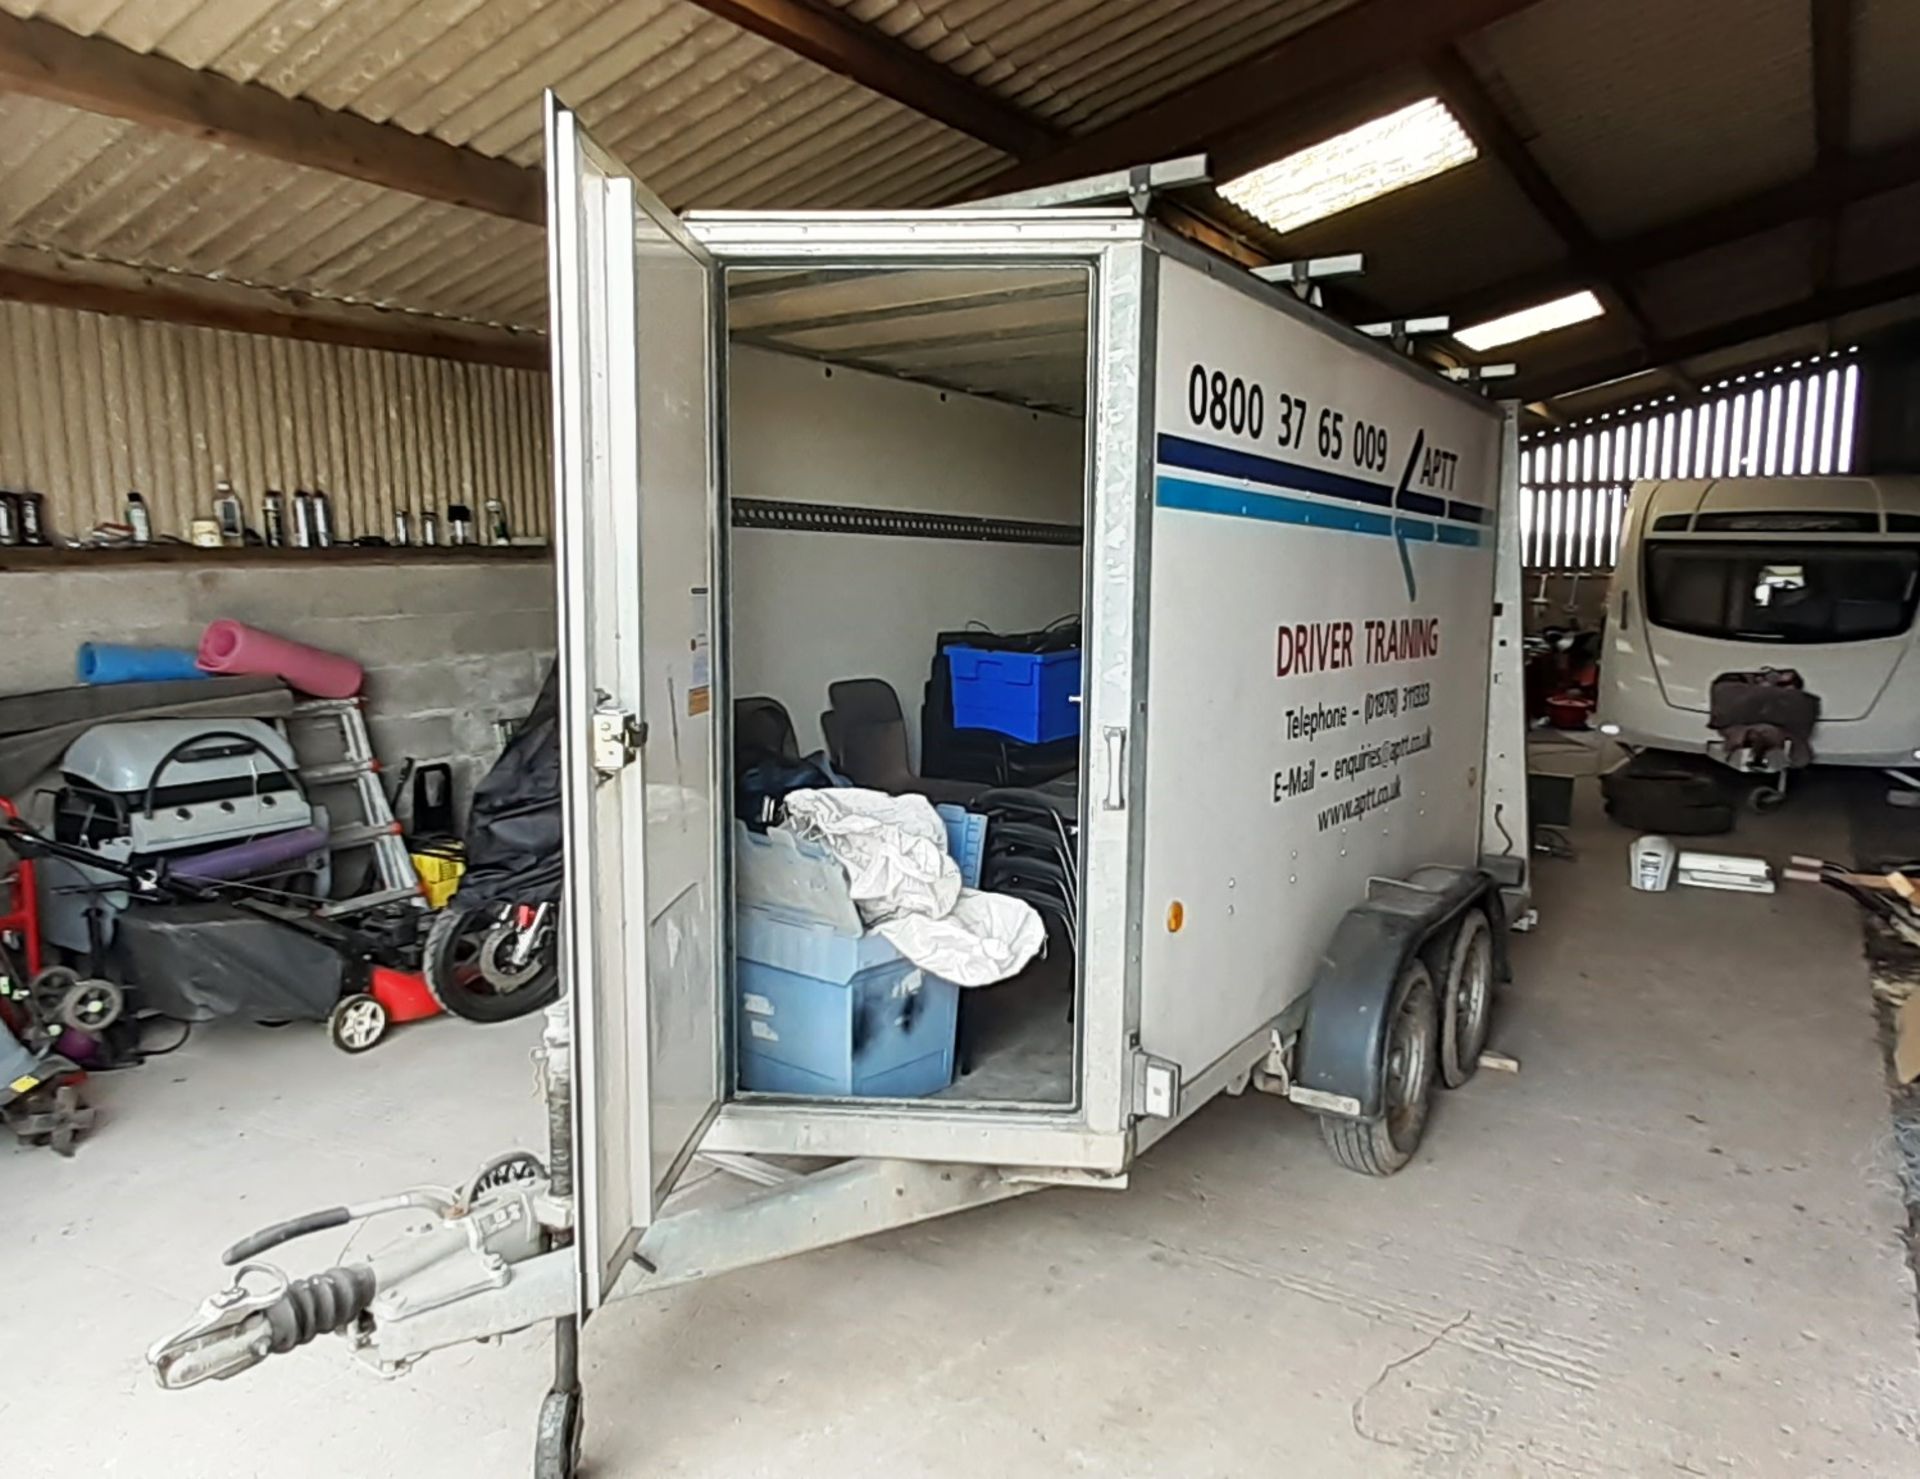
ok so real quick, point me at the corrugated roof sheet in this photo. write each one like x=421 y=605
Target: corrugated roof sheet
x=1886 y=50
x=95 y=187
x=1645 y=110
x=1731 y=282
x=1879 y=236
x=1642 y=112
x=709 y=114
x=1081 y=63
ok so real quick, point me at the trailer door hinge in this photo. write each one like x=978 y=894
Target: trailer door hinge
x=617 y=738
x=1156 y=1087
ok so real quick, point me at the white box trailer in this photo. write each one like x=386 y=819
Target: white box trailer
x=1302 y=824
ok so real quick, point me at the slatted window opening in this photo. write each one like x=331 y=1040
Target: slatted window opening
x=1794 y=420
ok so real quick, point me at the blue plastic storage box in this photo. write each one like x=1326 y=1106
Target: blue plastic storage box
x=966 y=840
x=824 y=1013
x=1025 y=695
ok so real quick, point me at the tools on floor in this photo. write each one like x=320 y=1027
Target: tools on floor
x=1889 y=894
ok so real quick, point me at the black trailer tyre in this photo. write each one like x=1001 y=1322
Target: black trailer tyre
x=556 y=1442
x=357 y=1023
x=1466 y=1001
x=1379 y=1147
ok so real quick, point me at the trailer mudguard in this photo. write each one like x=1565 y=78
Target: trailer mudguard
x=1341 y=1060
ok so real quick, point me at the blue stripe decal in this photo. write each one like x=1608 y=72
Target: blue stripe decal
x=1251 y=467
x=1275 y=508
x=1228 y=463
x=1272 y=508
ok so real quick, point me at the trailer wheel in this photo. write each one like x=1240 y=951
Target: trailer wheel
x=1379 y=1147
x=556 y=1442
x=1466 y=1005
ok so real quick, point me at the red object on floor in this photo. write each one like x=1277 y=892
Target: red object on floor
x=1569 y=710
x=403 y=993
x=20 y=904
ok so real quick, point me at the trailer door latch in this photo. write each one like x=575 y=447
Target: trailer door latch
x=617 y=738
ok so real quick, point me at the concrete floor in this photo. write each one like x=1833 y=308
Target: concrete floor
x=1669 y=1246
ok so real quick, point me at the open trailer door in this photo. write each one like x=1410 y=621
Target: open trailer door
x=635 y=375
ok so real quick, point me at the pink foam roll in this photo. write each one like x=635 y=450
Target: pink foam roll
x=232 y=648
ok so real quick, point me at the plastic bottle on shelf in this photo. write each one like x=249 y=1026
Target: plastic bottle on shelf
x=138 y=519
x=322 y=521
x=226 y=513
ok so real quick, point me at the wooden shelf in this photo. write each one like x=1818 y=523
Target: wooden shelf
x=21 y=558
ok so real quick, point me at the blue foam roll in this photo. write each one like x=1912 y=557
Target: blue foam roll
x=104 y=662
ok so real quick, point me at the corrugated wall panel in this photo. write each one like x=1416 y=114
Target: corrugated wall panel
x=92 y=406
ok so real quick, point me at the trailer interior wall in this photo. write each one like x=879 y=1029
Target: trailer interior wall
x=810 y=608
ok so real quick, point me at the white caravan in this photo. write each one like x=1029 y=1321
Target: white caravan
x=1820 y=575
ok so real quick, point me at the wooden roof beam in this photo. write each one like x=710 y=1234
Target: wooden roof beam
x=44 y=60
x=1820 y=307
x=1832 y=22
x=1292 y=80
x=890 y=68
x=31 y=277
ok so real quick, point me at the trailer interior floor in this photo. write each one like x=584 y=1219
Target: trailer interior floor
x=1670 y=1245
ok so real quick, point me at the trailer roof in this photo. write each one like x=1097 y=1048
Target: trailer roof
x=1739 y=180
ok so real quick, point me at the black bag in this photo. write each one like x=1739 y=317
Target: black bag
x=514 y=832
x=195 y=962
x=1667 y=794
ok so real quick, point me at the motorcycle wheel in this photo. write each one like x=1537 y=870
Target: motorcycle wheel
x=455 y=966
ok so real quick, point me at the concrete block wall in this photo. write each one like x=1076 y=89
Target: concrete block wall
x=450 y=645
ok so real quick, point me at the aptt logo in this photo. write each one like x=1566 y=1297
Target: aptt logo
x=1399 y=536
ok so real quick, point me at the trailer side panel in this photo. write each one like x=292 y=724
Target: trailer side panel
x=1320 y=608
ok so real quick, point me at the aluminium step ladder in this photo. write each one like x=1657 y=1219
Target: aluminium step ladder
x=357 y=774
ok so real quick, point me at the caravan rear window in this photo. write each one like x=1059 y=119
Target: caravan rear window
x=1780 y=592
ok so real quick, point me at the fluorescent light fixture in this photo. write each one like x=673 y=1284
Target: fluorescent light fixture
x=1542 y=318
x=1416 y=143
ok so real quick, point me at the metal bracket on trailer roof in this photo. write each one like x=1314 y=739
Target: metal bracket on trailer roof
x=1134 y=187
x=1402 y=331
x=1305 y=275
x=1477 y=374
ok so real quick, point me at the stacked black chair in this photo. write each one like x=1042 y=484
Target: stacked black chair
x=1033 y=850
x=867 y=738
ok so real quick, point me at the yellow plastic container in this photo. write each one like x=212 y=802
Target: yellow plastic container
x=439 y=876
